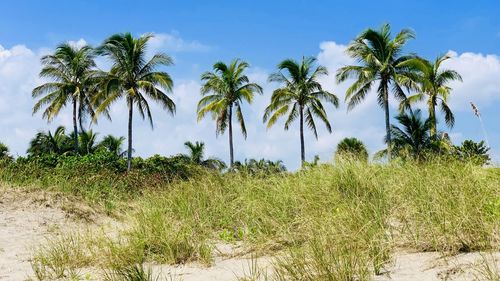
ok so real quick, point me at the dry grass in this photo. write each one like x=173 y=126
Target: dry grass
x=328 y=223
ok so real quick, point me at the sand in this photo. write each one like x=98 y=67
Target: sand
x=26 y=218
x=24 y=221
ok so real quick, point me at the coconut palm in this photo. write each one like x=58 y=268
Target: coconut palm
x=134 y=78
x=4 y=152
x=87 y=140
x=262 y=166
x=113 y=145
x=224 y=91
x=71 y=70
x=301 y=96
x=433 y=85
x=197 y=156
x=412 y=137
x=48 y=142
x=380 y=60
x=476 y=152
x=352 y=148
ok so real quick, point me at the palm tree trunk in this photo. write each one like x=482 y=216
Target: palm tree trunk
x=80 y=123
x=231 y=152
x=129 y=150
x=75 y=126
x=302 y=147
x=432 y=118
x=387 y=121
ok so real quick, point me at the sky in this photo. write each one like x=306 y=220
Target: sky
x=199 y=33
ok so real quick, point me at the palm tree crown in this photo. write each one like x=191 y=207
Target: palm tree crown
x=411 y=138
x=48 y=142
x=380 y=60
x=433 y=83
x=4 y=152
x=301 y=96
x=71 y=70
x=113 y=145
x=225 y=88
x=134 y=78
x=197 y=156
x=351 y=148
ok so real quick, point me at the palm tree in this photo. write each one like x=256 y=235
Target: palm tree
x=88 y=144
x=301 y=96
x=197 y=156
x=4 y=152
x=113 y=145
x=380 y=61
x=225 y=89
x=48 y=142
x=134 y=78
x=476 y=152
x=262 y=166
x=433 y=83
x=412 y=138
x=352 y=148
x=71 y=70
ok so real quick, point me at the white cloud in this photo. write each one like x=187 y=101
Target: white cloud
x=171 y=42
x=79 y=43
x=481 y=79
x=19 y=68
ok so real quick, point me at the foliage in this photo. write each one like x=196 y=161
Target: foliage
x=5 y=157
x=301 y=96
x=72 y=71
x=197 y=156
x=259 y=167
x=381 y=60
x=412 y=138
x=58 y=143
x=225 y=88
x=87 y=141
x=113 y=145
x=433 y=83
x=351 y=148
x=476 y=152
x=135 y=272
x=50 y=143
x=4 y=151
x=134 y=78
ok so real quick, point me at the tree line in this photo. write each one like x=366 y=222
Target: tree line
x=381 y=64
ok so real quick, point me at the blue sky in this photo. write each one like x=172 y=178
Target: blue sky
x=198 y=33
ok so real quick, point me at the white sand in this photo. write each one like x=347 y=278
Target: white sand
x=435 y=267
x=23 y=223
x=25 y=218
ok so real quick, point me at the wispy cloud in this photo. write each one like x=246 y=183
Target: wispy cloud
x=172 y=42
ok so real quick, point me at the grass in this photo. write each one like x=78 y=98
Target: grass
x=488 y=269
x=135 y=272
x=327 y=223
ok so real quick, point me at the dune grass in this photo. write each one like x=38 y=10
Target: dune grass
x=325 y=223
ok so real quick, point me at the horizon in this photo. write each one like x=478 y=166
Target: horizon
x=196 y=39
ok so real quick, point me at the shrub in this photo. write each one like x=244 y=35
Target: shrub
x=351 y=148
x=475 y=152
